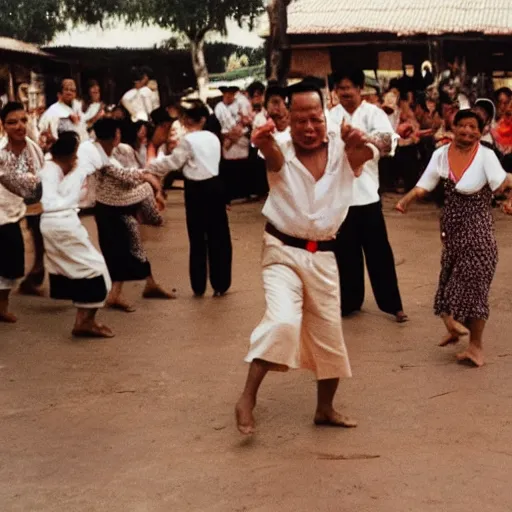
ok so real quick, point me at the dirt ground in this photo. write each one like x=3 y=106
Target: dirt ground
x=144 y=422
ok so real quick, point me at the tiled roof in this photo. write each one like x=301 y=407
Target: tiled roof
x=12 y=45
x=401 y=17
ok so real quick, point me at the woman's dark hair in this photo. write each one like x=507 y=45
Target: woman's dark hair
x=129 y=132
x=302 y=87
x=12 y=106
x=355 y=75
x=469 y=114
x=105 y=128
x=503 y=90
x=65 y=145
x=195 y=110
x=254 y=88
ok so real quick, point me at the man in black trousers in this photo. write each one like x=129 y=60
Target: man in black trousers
x=363 y=235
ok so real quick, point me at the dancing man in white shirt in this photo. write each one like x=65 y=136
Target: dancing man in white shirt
x=199 y=154
x=138 y=100
x=311 y=179
x=364 y=229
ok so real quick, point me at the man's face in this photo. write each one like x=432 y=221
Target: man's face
x=228 y=98
x=307 y=121
x=68 y=92
x=95 y=94
x=257 y=100
x=348 y=94
x=15 y=125
x=278 y=112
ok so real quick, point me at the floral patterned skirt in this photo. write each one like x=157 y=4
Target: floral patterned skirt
x=469 y=256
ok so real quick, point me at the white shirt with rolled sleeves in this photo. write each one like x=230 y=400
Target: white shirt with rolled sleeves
x=198 y=153
x=484 y=170
x=370 y=119
x=229 y=116
x=302 y=207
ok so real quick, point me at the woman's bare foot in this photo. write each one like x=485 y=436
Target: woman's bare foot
x=333 y=418
x=449 y=339
x=92 y=330
x=154 y=291
x=244 y=417
x=8 y=318
x=457 y=331
x=473 y=356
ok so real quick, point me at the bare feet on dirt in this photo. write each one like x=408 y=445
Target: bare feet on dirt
x=244 y=417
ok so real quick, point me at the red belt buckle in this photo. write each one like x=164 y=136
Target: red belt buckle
x=312 y=246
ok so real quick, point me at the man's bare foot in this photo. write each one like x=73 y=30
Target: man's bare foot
x=157 y=292
x=27 y=288
x=473 y=356
x=8 y=318
x=244 y=417
x=93 y=330
x=401 y=317
x=120 y=305
x=333 y=418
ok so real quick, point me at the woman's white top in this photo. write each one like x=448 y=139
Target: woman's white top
x=485 y=169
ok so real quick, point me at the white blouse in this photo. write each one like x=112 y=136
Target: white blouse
x=484 y=170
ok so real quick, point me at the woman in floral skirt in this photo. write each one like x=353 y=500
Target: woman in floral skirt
x=471 y=174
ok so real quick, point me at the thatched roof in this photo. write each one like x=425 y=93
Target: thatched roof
x=14 y=46
x=400 y=17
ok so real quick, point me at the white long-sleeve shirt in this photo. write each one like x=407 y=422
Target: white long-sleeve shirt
x=300 y=206
x=371 y=120
x=198 y=153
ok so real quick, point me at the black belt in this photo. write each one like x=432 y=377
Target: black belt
x=300 y=243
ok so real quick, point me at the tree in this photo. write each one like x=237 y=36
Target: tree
x=279 y=54
x=38 y=20
x=194 y=19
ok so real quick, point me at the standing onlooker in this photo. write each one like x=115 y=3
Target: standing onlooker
x=235 y=143
x=137 y=101
x=363 y=235
x=503 y=98
x=66 y=114
x=92 y=105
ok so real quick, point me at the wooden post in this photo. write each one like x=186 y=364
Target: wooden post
x=11 y=92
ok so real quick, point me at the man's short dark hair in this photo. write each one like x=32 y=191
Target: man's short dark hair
x=274 y=90
x=64 y=80
x=302 y=87
x=355 y=75
x=160 y=116
x=12 y=106
x=195 y=110
x=137 y=74
x=106 y=128
x=65 y=145
x=254 y=88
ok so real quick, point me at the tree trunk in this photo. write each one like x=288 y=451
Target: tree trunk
x=199 y=65
x=278 y=50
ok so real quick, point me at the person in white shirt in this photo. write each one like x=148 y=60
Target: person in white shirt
x=199 y=153
x=29 y=158
x=363 y=235
x=94 y=108
x=233 y=115
x=138 y=101
x=471 y=173
x=77 y=270
x=20 y=159
x=311 y=179
x=66 y=114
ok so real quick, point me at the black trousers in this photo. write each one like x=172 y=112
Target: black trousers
x=209 y=235
x=36 y=275
x=363 y=236
x=237 y=178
